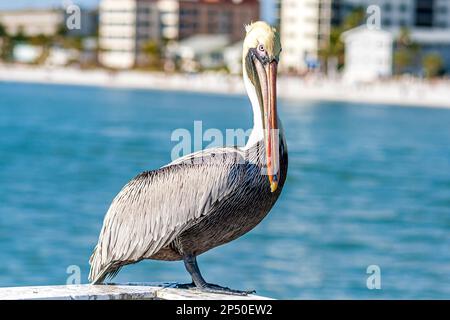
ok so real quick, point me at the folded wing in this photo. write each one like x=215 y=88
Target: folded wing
x=156 y=206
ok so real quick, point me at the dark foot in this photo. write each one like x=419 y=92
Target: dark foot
x=185 y=285
x=214 y=288
x=190 y=262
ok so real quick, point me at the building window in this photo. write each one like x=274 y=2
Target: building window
x=144 y=23
x=212 y=14
x=188 y=12
x=424 y=13
x=442 y=10
x=224 y=22
x=212 y=27
x=184 y=25
x=144 y=10
x=403 y=7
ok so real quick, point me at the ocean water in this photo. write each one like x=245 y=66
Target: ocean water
x=367 y=185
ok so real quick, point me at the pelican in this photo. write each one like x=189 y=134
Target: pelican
x=205 y=199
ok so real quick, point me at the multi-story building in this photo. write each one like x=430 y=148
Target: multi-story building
x=216 y=17
x=305 y=27
x=305 y=24
x=400 y=13
x=124 y=27
x=169 y=19
x=47 y=22
x=32 y=22
x=127 y=24
x=180 y=19
x=277 y=13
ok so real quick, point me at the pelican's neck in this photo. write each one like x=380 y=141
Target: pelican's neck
x=258 y=129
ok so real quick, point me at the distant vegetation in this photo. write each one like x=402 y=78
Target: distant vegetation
x=433 y=65
x=408 y=56
x=5 y=44
x=406 y=53
x=153 y=55
x=2 y=30
x=60 y=39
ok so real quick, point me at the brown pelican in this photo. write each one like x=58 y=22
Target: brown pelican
x=208 y=198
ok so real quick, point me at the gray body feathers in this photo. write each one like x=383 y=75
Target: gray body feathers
x=194 y=204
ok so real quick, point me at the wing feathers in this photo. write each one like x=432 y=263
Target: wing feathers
x=156 y=206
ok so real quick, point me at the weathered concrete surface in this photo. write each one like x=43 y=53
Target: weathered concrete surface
x=152 y=291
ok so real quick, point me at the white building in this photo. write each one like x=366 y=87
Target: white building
x=169 y=18
x=200 y=51
x=304 y=26
x=32 y=22
x=125 y=26
x=368 y=54
x=26 y=53
x=61 y=56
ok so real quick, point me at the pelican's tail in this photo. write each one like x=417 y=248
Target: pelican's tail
x=98 y=272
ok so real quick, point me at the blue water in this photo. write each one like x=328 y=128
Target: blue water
x=367 y=185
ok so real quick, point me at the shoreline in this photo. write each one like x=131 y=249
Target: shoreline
x=406 y=92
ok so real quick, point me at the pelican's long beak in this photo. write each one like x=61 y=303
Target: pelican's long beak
x=270 y=117
x=267 y=74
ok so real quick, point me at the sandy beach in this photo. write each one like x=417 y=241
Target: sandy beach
x=406 y=92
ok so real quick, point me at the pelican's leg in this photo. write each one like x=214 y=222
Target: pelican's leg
x=190 y=262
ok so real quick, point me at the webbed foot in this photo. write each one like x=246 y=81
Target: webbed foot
x=214 y=288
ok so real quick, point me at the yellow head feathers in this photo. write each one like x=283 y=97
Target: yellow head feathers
x=261 y=32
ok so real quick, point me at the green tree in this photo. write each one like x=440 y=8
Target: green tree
x=407 y=52
x=20 y=36
x=5 y=44
x=6 y=48
x=152 y=51
x=40 y=40
x=432 y=64
x=61 y=31
x=3 y=32
x=354 y=19
x=402 y=60
x=72 y=43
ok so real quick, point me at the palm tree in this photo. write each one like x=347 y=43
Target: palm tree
x=152 y=52
x=5 y=44
x=406 y=53
x=3 y=32
x=432 y=64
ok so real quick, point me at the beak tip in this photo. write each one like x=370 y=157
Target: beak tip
x=273 y=186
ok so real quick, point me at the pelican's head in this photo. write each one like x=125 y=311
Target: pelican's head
x=261 y=53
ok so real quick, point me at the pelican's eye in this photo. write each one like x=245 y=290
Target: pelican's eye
x=261 y=48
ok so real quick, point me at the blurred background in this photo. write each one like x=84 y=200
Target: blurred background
x=90 y=92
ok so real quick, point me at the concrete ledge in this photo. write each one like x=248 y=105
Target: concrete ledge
x=130 y=291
